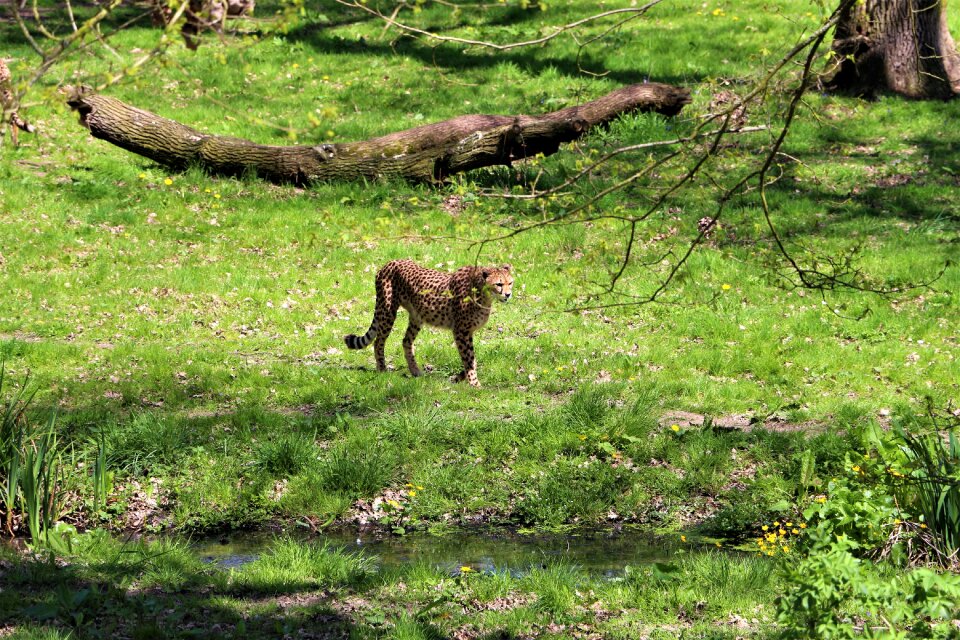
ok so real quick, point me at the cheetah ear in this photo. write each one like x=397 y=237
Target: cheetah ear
x=507 y=267
x=485 y=273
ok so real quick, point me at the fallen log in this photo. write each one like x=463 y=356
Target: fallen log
x=429 y=153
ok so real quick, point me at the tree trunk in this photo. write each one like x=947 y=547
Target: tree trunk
x=902 y=46
x=428 y=153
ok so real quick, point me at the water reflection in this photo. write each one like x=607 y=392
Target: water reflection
x=600 y=553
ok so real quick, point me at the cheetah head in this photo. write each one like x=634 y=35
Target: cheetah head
x=499 y=281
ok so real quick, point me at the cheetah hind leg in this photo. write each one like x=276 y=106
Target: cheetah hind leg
x=412 y=330
x=385 y=315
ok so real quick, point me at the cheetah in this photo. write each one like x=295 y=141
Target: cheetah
x=8 y=104
x=459 y=301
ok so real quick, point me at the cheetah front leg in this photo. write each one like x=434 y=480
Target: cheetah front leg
x=464 y=340
x=412 y=330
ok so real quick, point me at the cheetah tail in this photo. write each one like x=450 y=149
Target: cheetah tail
x=359 y=342
x=20 y=123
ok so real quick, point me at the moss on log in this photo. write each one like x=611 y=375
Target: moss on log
x=428 y=153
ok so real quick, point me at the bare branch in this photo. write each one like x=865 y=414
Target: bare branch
x=17 y=8
x=40 y=26
x=612 y=154
x=356 y=4
x=809 y=278
x=842 y=273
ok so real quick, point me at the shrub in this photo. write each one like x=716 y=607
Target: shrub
x=571 y=489
x=359 y=466
x=147 y=440
x=290 y=565
x=930 y=483
x=286 y=454
x=831 y=586
x=555 y=586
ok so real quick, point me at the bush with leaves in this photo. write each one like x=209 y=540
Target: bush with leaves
x=834 y=594
x=897 y=501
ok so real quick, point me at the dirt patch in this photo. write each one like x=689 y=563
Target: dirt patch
x=737 y=421
x=302 y=600
x=20 y=336
x=147 y=507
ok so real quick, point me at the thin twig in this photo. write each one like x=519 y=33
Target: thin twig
x=492 y=45
x=16 y=9
x=73 y=21
x=612 y=154
x=40 y=26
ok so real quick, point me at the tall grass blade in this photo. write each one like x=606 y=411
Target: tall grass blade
x=14 y=432
x=102 y=477
x=934 y=485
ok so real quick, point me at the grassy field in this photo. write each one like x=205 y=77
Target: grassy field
x=194 y=324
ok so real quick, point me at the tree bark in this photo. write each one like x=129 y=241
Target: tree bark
x=903 y=46
x=428 y=153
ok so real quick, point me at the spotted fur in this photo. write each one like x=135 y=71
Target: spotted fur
x=459 y=301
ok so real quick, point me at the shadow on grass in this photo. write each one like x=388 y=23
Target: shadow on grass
x=102 y=599
x=451 y=59
x=912 y=184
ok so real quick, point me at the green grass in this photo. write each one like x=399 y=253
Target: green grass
x=106 y=587
x=198 y=325
x=293 y=566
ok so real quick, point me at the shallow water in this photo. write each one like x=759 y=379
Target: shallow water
x=600 y=553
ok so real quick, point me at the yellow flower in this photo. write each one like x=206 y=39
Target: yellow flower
x=725 y=287
x=330 y=133
x=217 y=196
x=777 y=523
x=923 y=526
x=582 y=437
x=683 y=538
x=411 y=493
x=675 y=427
x=718 y=544
x=765 y=527
x=142 y=176
x=822 y=499
x=794 y=531
x=168 y=182
x=408 y=486
x=420 y=487
x=465 y=569
x=803 y=525
x=789 y=524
